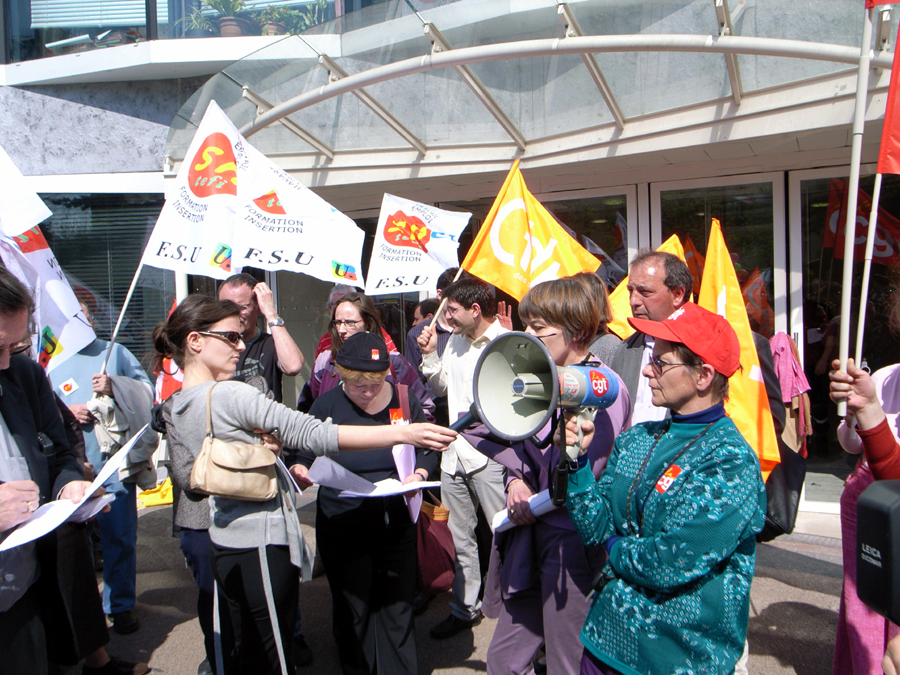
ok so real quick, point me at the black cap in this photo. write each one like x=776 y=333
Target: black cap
x=364 y=351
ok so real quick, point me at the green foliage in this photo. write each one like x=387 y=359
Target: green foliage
x=196 y=20
x=225 y=7
x=295 y=20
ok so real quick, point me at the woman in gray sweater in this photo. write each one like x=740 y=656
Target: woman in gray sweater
x=203 y=336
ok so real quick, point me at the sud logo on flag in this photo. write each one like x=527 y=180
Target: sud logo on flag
x=414 y=243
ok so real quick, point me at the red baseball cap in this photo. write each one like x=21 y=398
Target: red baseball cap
x=708 y=335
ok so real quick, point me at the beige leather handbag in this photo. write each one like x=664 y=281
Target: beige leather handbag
x=234 y=470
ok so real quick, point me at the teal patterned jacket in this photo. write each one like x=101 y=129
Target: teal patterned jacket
x=679 y=592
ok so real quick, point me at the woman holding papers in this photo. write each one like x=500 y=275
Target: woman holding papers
x=369 y=545
x=677 y=509
x=540 y=569
x=203 y=336
x=356 y=313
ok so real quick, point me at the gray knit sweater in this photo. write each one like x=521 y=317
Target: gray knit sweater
x=238 y=409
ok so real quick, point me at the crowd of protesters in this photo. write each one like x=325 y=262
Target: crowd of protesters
x=646 y=567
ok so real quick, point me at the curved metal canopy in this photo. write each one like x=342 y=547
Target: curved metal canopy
x=508 y=76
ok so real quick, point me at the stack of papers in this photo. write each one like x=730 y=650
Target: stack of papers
x=53 y=514
x=329 y=473
x=539 y=503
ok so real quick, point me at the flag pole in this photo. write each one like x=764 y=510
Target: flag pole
x=867 y=269
x=115 y=333
x=444 y=301
x=859 y=114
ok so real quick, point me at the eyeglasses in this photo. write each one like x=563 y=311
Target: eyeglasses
x=548 y=335
x=19 y=348
x=349 y=323
x=450 y=311
x=232 y=337
x=659 y=365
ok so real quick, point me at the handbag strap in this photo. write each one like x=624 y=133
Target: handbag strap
x=209 y=431
x=403 y=396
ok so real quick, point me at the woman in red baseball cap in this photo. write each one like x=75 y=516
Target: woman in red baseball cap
x=677 y=508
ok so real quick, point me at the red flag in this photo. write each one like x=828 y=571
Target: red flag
x=872 y=3
x=887 y=232
x=756 y=299
x=889 y=154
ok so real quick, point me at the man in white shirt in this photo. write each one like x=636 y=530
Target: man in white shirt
x=468 y=478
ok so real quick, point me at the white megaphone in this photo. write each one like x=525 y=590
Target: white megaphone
x=517 y=388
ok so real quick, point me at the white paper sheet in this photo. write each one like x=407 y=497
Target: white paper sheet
x=539 y=503
x=405 y=461
x=53 y=514
x=331 y=474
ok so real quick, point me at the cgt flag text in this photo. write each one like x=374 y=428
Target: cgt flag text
x=521 y=245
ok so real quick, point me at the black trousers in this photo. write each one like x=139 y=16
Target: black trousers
x=23 y=644
x=370 y=560
x=196 y=549
x=239 y=575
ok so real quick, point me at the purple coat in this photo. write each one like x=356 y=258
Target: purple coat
x=512 y=567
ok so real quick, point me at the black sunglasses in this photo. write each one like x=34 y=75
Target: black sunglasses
x=230 y=336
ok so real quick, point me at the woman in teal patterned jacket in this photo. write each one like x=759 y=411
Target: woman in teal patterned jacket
x=677 y=508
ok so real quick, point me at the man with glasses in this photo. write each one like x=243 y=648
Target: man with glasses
x=468 y=478
x=270 y=355
x=76 y=380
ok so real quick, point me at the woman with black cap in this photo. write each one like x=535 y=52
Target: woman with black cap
x=369 y=545
x=257 y=549
x=677 y=508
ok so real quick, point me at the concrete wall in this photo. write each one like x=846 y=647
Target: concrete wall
x=91 y=128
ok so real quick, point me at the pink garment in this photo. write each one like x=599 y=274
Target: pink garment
x=862 y=634
x=790 y=373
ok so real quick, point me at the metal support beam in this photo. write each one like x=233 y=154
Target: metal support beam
x=439 y=44
x=574 y=30
x=883 y=30
x=335 y=73
x=263 y=106
x=698 y=44
x=726 y=28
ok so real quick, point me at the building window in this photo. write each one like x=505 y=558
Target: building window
x=98 y=240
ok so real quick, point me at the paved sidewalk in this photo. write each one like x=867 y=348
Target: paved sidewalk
x=794 y=605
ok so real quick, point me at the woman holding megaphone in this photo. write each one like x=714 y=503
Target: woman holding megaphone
x=677 y=509
x=540 y=571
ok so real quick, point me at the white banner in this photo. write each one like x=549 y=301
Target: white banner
x=414 y=243
x=232 y=207
x=20 y=208
x=286 y=226
x=61 y=328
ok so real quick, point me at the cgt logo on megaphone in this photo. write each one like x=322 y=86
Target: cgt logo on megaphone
x=599 y=383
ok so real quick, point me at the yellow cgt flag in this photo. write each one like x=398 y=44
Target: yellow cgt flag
x=520 y=244
x=618 y=299
x=748 y=404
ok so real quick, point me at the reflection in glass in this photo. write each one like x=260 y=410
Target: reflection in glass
x=745 y=214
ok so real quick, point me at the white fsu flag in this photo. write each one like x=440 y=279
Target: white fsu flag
x=232 y=207
x=414 y=243
x=20 y=208
x=61 y=329
x=286 y=226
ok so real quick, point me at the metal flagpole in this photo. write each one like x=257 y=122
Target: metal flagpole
x=867 y=269
x=859 y=114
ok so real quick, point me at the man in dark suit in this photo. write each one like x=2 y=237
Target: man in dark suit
x=36 y=466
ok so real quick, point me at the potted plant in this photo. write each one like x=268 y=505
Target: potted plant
x=313 y=14
x=277 y=20
x=229 y=24
x=197 y=25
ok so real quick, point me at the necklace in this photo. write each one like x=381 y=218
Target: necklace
x=640 y=516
